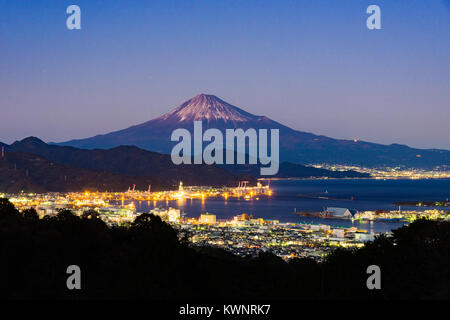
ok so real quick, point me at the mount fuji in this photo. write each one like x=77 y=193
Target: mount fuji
x=295 y=146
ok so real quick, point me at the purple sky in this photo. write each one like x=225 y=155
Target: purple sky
x=311 y=65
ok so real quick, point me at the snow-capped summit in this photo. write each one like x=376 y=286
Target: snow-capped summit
x=207 y=108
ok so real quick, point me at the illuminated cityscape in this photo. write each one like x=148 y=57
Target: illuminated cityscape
x=242 y=235
x=439 y=172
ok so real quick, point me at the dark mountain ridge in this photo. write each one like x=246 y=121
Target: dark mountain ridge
x=132 y=161
x=33 y=173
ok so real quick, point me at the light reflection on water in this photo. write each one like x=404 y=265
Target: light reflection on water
x=367 y=194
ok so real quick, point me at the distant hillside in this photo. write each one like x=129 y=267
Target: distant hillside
x=295 y=146
x=291 y=170
x=132 y=161
x=32 y=173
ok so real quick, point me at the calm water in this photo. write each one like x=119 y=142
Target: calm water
x=367 y=195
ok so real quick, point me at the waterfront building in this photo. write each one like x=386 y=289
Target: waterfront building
x=338 y=233
x=173 y=215
x=207 y=218
x=364 y=236
x=242 y=217
x=339 y=212
x=167 y=214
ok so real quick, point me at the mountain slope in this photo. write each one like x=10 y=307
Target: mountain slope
x=130 y=160
x=134 y=161
x=33 y=173
x=295 y=146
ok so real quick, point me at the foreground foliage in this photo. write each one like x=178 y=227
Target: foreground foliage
x=147 y=260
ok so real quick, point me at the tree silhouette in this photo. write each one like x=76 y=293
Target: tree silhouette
x=30 y=214
x=147 y=260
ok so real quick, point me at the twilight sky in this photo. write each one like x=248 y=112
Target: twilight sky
x=311 y=65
